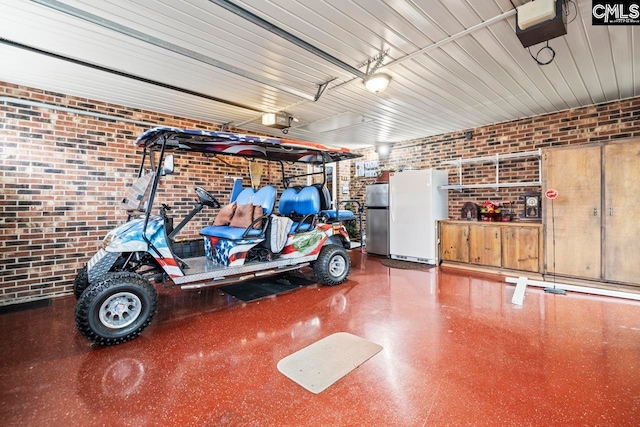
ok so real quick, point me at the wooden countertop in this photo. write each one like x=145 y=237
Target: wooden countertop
x=490 y=223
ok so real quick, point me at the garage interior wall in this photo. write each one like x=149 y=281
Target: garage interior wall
x=62 y=175
x=608 y=121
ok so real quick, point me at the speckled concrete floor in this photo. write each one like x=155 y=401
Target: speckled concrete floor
x=455 y=353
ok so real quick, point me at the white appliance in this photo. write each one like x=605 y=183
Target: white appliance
x=416 y=202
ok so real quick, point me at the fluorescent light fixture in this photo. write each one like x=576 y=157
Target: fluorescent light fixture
x=378 y=82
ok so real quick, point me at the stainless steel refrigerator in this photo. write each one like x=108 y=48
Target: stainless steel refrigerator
x=377 y=202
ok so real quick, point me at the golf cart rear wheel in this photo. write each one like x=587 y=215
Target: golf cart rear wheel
x=332 y=266
x=116 y=308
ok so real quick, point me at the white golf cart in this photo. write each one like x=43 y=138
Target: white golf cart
x=116 y=297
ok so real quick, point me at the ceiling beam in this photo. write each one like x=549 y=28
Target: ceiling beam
x=255 y=19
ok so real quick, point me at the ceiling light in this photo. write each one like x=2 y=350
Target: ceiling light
x=378 y=82
x=383 y=151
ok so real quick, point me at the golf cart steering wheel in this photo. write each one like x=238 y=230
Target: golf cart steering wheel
x=206 y=198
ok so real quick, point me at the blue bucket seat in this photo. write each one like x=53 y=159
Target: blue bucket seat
x=265 y=197
x=302 y=206
x=330 y=215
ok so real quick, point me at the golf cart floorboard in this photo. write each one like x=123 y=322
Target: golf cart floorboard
x=202 y=268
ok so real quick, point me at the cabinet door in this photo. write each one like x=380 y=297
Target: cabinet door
x=520 y=248
x=622 y=212
x=454 y=240
x=484 y=245
x=576 y=174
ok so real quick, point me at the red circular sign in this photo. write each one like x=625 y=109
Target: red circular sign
x=551 y=194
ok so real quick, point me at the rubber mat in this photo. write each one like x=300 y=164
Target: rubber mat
x=261 y=288
x=405 y=265
x=324 y=362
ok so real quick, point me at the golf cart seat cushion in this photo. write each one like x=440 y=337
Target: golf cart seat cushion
x=228 y=232
x=325 y=206
x=325 y=196
x=265 y=197
x=342 y=215
x=299 y=203
x=245 y=196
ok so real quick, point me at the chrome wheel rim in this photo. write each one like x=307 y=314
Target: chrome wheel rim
x=337 y=266
x=120 y=310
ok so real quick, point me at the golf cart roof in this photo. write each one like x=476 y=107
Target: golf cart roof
x=225 y=143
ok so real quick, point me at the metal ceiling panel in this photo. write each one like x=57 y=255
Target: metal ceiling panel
x=473 y=79
x=88 y=83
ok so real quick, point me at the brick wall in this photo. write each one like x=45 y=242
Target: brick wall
x=609 y=121
x=62 y=176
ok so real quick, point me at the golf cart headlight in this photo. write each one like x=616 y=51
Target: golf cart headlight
x=106 y=241
x=111 y=240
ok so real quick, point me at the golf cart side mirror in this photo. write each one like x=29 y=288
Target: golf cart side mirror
x=167 y=165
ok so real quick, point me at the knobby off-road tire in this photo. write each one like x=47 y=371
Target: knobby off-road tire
x=116 y=308
x=332 y=266
x=81 y=282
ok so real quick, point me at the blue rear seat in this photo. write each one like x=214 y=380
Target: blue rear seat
x=325 y=207
x=302 y=206
x=266 y=197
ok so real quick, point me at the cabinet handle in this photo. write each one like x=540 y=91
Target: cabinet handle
x=496 y=234
x=595 y=211
x=506 y=235
x=464 y=232
x=610 y=210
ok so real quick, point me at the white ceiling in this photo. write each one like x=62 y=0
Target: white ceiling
x=482 y=77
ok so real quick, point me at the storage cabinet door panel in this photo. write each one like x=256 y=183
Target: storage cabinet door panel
x=520 y=248
x=454 y=241
x=622 y=212
x=484 y=245
x=576 y=174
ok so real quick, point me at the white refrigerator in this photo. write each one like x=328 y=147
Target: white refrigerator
x=416 y=202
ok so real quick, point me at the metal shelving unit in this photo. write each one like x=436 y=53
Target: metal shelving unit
x=496 y=160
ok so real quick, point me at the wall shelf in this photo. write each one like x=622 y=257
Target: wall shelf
x=495 y=160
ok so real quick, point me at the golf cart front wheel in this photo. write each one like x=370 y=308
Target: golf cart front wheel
x=81 y=282
x=116 y=308
x=332 y=266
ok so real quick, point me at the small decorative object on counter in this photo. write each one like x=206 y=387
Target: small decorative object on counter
x=532 y=206
x=491 y=211
x=470 y=212
x=384 y=173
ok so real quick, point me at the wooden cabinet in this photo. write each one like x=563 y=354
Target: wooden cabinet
x=575 y=174
x=521 y=248
x=621 y=212
x=484 y=245
x=593 y=227
x=454 y=242
x=514 y=246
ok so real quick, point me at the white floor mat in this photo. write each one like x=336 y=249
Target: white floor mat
x=324 y=362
